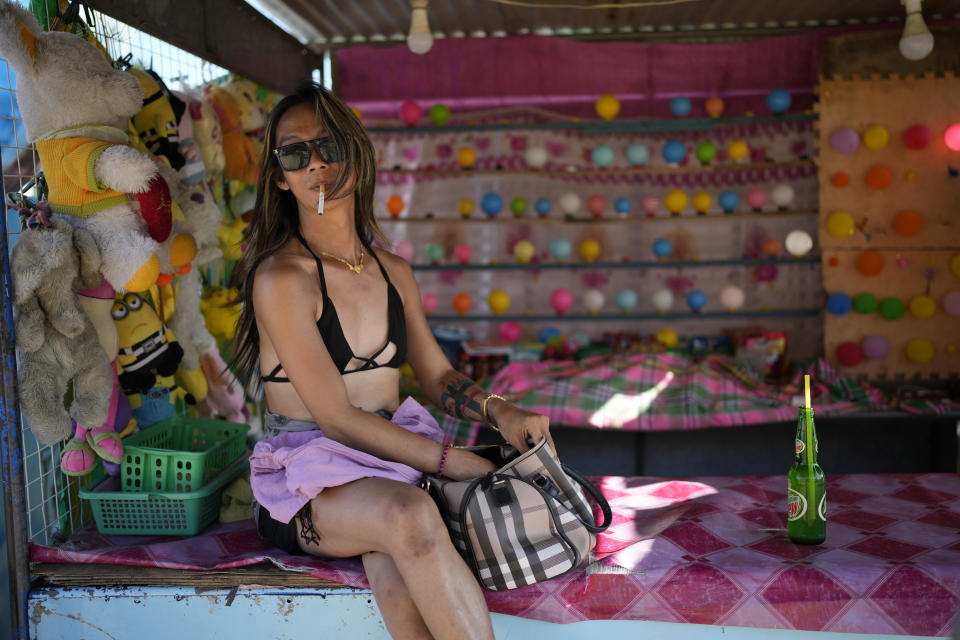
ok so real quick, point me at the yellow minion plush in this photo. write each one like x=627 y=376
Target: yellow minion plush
x=147 y=347
x=156 y=122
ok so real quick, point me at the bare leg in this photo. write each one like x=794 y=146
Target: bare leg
x=401 y=521
x=396 y=606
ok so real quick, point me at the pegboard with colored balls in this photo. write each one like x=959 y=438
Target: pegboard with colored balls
x=888 y=229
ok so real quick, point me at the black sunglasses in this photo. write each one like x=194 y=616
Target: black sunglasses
x=296 y=156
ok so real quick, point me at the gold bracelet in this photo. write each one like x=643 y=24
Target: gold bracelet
x=486 y=416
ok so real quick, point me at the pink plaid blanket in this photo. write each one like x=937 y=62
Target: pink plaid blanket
x=707 y=551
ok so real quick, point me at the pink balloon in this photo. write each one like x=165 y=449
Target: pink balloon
x=430 y=302
x=596 y=204
x=875 y=346
x=462 y=253
x=561 y=300
x=756 y=198
x=650 y=204
x=404 y=249
x=951 y=303
x=410 y=112
x=510 y=331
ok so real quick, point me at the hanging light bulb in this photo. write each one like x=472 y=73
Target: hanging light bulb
x=420 y=40
x=916 y=42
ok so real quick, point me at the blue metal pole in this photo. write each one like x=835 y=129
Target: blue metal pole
x=16 y=557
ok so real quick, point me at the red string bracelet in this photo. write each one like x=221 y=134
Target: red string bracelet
x=443 y=460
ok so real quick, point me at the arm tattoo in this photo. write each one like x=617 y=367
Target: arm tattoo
x=460 y=396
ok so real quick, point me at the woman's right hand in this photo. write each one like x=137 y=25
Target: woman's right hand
x=465 y=465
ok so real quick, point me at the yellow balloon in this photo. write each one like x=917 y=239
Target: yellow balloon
x=738 y=150
x=876 y=137
x=465 y=207
x=955 y=265
x=523 y=251
x=499 y=301
x=607 y=107
x=589 y=249
x=466 y=157
x=676 y=201
x=668 y=338
x=922 y=306
x=702 y=201
x=920 y=350
x=840 y=224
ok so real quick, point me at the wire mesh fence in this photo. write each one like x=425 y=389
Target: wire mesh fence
x=53 y=507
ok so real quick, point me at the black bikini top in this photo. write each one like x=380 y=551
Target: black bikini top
x=332 y=332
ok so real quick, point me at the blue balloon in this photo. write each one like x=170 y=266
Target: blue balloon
x=491 y=204
x=622 y=205
x=603 y=155
x=561 y=249
x=549 y=332
x=778 y=100
x=543 y=206
x=839 y=304
x=728 y=201
x=638 y=153
x=662 y=247
x=696 y=299
x=626 y=299
x=680 y=106
x=674 y=151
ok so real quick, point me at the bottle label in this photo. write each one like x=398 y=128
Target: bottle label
x=799 y=446
x=822 y=509
x=796 y=505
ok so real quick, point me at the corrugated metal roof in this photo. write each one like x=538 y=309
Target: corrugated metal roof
x=336 y=23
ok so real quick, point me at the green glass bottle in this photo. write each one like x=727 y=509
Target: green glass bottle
x=806 y=487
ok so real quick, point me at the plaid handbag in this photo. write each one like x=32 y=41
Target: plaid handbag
x=527 y=522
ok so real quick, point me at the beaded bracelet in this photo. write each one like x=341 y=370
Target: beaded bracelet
x=443 y=459
x=486 y=417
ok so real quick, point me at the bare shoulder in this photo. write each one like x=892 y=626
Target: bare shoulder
x=399 y=269
x=284 y=276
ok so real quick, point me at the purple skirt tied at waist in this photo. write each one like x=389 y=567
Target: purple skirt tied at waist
x=289 y=469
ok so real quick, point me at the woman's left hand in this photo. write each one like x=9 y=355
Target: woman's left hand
x=517 y=425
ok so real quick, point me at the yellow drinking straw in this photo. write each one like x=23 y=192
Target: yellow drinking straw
x=811 y=487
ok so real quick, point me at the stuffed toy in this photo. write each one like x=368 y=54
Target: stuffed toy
x=203 y=218
x=240 y=152
x=224 y=393
x=222 y=315
x=236 y=502
x=192 y=172
x=252 y=116
x=75 y=107
x=208 y=136
x=156 y=121
x=56 y=342
x=187 y=324
x=147 y=347
x=231 y=238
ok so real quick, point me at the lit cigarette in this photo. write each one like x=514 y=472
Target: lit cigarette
x=320 y=201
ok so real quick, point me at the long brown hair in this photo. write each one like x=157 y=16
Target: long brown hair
x=275 y=215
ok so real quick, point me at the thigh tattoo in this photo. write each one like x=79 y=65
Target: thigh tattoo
x=304 y=519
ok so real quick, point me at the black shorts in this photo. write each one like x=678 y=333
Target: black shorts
x=283 y=536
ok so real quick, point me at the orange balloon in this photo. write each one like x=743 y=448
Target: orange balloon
x=840 y=179
x=869 y=263
x=908 y=223
x=714 y=107
x=395 y=205
x=462 y=303
x=771 y=246
x=879 y=177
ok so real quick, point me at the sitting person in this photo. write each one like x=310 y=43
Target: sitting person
x=331 y=319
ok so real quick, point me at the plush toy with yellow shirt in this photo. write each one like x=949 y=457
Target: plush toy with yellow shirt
x=75 y=107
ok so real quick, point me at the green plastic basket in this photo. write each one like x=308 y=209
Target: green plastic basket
x=180 y=454
x=163 y=513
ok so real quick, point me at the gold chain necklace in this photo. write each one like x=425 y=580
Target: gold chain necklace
x=356 y=268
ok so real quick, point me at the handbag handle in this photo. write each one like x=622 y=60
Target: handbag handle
x=596 y=495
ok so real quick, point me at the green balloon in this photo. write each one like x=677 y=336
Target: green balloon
x=434 y=252
x=518 y=206
x=865 y=303
x=891 y=308
x=706 y=152
x=439 y=114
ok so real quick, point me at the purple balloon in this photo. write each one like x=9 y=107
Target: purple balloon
x=875 y=346
x=844 y=140
x=951 y=303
